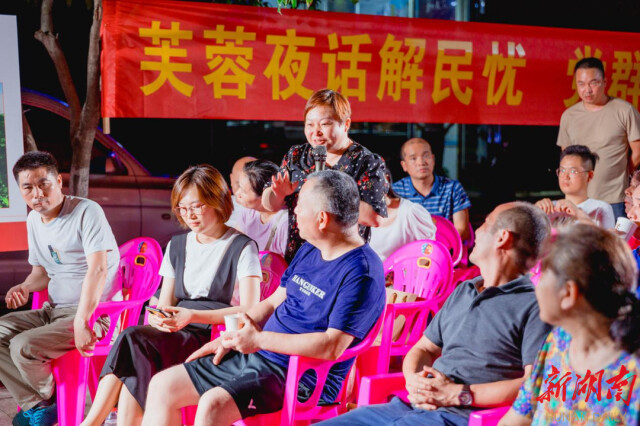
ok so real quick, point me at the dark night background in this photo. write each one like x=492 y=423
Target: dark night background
x=153 y=141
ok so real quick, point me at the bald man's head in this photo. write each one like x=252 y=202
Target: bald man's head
x=413 y=141
x=236 y=171
x=417 y=160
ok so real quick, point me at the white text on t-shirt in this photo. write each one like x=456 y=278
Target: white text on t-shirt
x=307 y=288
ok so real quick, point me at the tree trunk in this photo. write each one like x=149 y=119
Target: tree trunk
x=84 y=120
x=28 y=140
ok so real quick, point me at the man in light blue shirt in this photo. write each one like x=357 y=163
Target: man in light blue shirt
x=438 y=194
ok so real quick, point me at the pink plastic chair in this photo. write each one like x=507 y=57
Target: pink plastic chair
x=535 y=272
x=299 y=413
x=447 y=234
x=422 y=267
x=416 y=316
x=489 y=417
x=381 y=388
x=140 y=260
x=462 y=270
x=467 y=245
x=273 y=266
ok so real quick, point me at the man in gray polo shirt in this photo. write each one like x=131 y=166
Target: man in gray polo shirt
x=73 y=255
x=481 y=344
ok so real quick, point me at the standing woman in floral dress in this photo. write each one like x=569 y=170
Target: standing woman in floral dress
x=327 y=118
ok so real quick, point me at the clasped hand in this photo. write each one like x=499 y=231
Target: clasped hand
x=561 y=206
x=429 y=389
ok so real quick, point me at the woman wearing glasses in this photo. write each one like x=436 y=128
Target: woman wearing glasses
x=577 y=163
x=204 y=271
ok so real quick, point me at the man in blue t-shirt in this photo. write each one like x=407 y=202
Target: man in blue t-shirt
x=438 y=194
x=329 y=299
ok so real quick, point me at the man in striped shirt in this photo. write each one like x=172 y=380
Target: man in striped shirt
x=438 y=194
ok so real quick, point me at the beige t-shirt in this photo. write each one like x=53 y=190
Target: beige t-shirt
x=607 y=132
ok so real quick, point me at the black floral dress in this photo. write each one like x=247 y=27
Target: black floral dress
x=364 y=166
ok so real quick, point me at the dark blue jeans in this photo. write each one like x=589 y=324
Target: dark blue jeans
x=395 y=413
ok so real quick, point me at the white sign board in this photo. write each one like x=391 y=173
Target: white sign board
x=12 y=207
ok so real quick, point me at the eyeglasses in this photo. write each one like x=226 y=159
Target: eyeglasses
x=593 y=84
x=195 y=209
x=571 y=172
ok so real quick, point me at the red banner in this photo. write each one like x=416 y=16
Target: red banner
x=199 y=60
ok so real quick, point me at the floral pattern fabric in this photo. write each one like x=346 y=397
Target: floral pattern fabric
x=364 y=166
x=554 y=394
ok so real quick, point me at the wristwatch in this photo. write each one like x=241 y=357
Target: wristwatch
x=465 y=396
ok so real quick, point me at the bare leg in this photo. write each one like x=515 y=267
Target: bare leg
x=216 y=407
x=169 y=390
x=129 y=411
x=106 y=398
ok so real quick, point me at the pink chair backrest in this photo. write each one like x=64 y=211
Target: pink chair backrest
x=273 y=266
x=467 y=245
x=447 y=234
x=422 y=267
x=535 y=272
x=416 y=316
x=140 y=260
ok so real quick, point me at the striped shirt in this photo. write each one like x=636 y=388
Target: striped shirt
x=447 y=196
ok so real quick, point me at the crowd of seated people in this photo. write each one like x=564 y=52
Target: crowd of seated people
x=491 y=344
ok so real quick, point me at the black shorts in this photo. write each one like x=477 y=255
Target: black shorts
x=256 y=384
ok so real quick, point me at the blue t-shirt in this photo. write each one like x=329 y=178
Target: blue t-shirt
x=447 y=196
x=346 y=293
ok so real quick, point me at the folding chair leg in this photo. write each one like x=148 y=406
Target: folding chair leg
x=70 y=373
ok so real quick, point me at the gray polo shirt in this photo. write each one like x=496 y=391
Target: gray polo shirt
x=489 y=336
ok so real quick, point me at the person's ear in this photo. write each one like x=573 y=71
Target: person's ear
x=59 y=179
x=589 y=176
x=569 y=294
x=322 y=220
x=504 y=239
x=347 y=124
x=404 y=166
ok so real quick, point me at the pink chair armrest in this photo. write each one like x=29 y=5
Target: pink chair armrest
x=377 y=389
x=488 y=417
x=38 y=298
